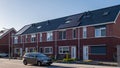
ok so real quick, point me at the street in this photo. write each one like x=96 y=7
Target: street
x=13 y=63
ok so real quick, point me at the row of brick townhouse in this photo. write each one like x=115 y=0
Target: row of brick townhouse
x=6 y=41
x=90 y=35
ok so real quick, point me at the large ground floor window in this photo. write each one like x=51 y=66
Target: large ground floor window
x=48 y=50
x=63 y=49
x=98 y=50
x=30 y=49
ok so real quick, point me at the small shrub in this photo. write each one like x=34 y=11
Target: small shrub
x=69 y=59
x=87 y=61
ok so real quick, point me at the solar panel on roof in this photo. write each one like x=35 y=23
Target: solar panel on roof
x=23 y=29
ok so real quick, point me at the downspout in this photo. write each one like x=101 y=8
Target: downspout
x=78 y=43
x=56 y=45
x=23 y=51
x=12 y=47
x=9 y=45
x=37 y=42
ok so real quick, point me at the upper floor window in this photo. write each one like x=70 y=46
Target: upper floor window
x=62 y=35
x=15 y=39
x=74 y=33
x=49 y=36
x=26 y=38
x=84 y=32
x=40 y=37
x=100 y=32
x=33 y=38
x=21 y=39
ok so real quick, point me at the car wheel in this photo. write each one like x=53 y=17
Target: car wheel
x=25 y=62
x=39 y=63
x=49 y=64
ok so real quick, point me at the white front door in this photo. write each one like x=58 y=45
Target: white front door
x=20 y=51
x=85 y=53
x=73 y=52
x=26 y=50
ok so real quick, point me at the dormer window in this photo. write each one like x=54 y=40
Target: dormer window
x=105 y=13
x=68 y=21
x=86 y=16
x=39 y=27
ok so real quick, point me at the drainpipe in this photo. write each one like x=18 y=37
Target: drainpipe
x=37 y=42
x=23 y=48
x=118 y=55
x=9 y=45
x=78 y=43
x=12 y=47
x=56 y=45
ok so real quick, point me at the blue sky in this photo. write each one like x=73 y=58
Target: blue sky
x=17 y=13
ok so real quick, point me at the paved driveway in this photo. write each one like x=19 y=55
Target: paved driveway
x=6 y=63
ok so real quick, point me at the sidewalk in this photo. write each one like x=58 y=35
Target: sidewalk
x=90 y=62
x=98 y=63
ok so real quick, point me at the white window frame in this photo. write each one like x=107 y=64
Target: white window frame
x=49 y=50
x=33 y=36
x=49 y=36
x=16 y=40
x=98 y=32
x=84 y=32
x=73 y=33
x=21 y=40
x=62 y=47
x=40 y=37
x=26 y=50
x=26 y=38
x=63 y=35
x=62 y=31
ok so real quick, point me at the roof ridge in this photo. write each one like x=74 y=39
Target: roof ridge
x=84 y=21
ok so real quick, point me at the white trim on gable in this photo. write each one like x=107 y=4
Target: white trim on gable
x=117 y=17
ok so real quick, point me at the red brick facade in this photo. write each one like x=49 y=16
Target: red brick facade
x=6 y=41
x=111 y=40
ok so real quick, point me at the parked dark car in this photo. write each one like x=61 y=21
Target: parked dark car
x=36 y=58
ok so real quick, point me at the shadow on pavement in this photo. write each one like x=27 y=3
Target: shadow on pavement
x=52 y=66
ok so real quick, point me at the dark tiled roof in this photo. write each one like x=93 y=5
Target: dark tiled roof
x=5 y=32
x=74 y=21
x=23 y=29
x=45 y=26
x=99 y=16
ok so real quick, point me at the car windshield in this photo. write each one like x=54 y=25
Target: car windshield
x=41 y=55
